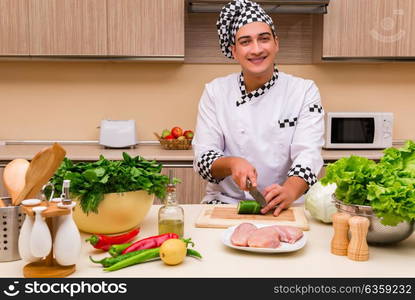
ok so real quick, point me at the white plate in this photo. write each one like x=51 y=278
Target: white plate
x=284 y=247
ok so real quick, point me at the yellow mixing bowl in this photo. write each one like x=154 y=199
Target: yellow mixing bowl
x=117 y=212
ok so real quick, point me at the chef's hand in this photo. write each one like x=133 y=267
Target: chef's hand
x=278 y=197
x=281 y=197
x=241 y=170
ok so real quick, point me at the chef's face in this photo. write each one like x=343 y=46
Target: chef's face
x=255 y=48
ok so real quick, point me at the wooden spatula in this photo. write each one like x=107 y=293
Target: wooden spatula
x=35 y=170
x=58 y=156
x=41 y=169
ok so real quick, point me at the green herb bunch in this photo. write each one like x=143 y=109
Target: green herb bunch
x=91 y=180
x=388 y=186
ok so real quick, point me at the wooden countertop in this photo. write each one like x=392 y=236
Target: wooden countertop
x=92 y=152
x=314 y=260
x=148 y=151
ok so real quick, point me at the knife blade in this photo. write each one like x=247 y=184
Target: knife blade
x=255 y=193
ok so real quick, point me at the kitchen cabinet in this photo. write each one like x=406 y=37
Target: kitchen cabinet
x=146 y=28
x=192 y=188
x=96 y=28
x=68 y=27
x=14 y=27
x=369 y=29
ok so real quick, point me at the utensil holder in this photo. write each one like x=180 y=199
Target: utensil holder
x=11 y=220
x=47 y=267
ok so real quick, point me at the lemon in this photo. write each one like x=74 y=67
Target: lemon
x=173 y=251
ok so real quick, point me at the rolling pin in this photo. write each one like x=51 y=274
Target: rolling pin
x=340 y=240
x=358 y=249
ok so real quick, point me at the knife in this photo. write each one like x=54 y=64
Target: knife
x=255 y=193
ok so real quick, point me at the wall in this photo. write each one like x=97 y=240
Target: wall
x=67 y=100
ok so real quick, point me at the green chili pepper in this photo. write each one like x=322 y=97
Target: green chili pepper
x=194 y=253
x=188 y=241
x=109 y=261
x=116 y=250
x=145 y=255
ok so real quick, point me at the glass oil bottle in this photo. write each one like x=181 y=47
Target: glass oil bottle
x=171 y=215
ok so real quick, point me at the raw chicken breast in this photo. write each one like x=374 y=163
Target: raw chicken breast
x=289 y=234
x=241 y=233
x=265 y=237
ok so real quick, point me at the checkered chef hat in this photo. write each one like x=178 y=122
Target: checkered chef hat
x=233 y=16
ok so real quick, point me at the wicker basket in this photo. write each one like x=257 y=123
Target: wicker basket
x=175 y=144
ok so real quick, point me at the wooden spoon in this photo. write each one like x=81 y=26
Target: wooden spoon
x=56 y=160
x=36 y=167
x=14 y=176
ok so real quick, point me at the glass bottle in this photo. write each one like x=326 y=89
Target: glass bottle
x=171 y=215
x=66 y=200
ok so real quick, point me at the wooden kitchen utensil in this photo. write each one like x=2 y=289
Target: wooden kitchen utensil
x=14 y=177
x=358 y=249
x=58 y=156
x=35 y=170
x=340 y=240
x=226 y=215
x=41 y=169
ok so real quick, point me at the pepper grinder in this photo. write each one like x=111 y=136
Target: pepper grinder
x=358 y=249
x=340 y=240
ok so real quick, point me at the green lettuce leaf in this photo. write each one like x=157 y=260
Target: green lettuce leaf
x=388 y=186
x=351 y=175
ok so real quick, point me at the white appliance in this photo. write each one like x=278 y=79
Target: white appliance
x=118 y=133
x=358 y=130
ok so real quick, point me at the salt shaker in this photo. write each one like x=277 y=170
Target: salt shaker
x=340 y=241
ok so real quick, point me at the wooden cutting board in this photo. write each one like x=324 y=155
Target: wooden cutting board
x=225 y=215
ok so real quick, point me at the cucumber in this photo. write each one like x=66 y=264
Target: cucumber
x=249 y=207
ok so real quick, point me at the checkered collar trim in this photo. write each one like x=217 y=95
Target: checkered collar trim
x=256 y=93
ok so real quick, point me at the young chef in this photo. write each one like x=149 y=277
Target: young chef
x=261 y=124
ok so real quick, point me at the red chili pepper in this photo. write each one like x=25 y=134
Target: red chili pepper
x=150 y=242
x=104 y=242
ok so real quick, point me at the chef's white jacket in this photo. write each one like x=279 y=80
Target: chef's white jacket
x=279 y=132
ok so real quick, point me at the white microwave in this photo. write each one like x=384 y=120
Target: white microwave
x=358 y=130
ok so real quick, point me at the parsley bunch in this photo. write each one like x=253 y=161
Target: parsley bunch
x=91 y=180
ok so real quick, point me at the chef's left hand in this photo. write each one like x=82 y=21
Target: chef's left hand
x=281 y=196
x=278 y=197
